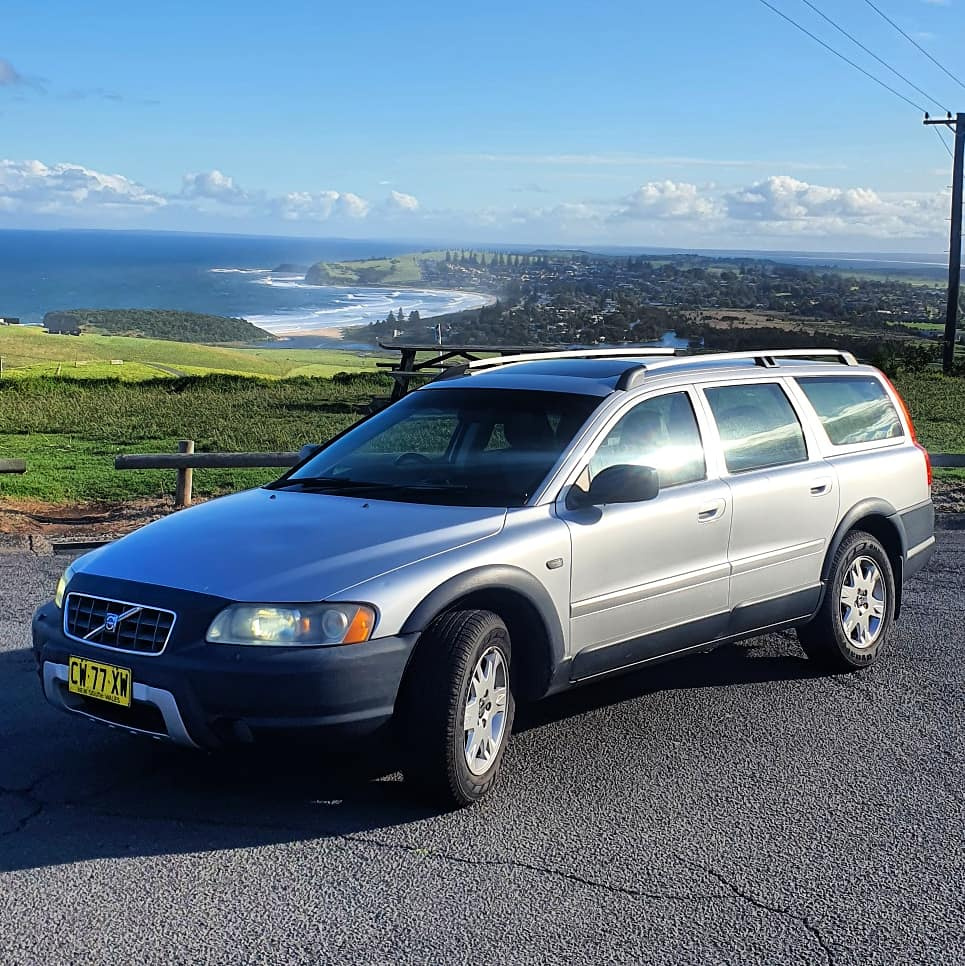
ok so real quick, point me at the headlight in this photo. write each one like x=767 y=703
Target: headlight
x=293 y=626
x=62 y=586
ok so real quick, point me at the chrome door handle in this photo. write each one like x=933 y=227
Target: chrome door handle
x=821 y=486
x=711 y=511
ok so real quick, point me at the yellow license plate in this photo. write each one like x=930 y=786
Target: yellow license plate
x=106 y=682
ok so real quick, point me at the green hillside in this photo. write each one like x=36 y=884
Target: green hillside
x=28 y=351
x=398 y=270
x=159 y=324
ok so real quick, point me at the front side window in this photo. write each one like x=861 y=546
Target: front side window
x=757 y=425
x=457 y=446
x=660 y=432
x=852 y=409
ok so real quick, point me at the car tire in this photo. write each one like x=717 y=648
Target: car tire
x=456 y=708
x=858 y=609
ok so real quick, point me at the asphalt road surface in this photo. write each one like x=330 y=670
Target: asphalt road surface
x=732 y=808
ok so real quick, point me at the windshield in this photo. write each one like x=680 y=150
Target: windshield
x=465 y=447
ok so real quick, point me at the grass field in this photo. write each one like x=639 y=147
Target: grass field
x=28 y=351
x=69 y=430
x=397 y=270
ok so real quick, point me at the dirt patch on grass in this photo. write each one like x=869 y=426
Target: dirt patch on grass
x=88 y=521
x=948 y=495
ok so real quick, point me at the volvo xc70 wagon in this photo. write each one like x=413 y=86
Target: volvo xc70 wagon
x=515 y=527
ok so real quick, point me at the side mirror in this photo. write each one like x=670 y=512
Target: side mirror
x=308 y=451
x=623 y=483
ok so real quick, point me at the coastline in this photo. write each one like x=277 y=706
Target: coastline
x=459 y=300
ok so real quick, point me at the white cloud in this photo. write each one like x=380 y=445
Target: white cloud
x=34 y=187
x=398 y=201
x=352 y=205
x=214 y=185
x=319 y=205
x=682 y=213
x=755 y=212
x=784 y=204
x=667 y=199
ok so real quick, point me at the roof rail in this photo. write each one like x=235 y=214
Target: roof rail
x=641 y=352
x=766 y=358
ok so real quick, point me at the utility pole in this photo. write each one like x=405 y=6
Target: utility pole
x=957 y=124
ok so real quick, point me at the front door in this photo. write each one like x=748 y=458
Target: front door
x=649 y=578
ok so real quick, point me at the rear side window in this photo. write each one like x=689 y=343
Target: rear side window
x=758 y=426
x=852 y=409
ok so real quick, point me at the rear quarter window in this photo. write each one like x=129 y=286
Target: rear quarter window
x=852 y=409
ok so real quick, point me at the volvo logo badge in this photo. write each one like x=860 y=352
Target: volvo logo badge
x=111 y=623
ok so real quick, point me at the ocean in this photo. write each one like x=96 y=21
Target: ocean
x=233 y=275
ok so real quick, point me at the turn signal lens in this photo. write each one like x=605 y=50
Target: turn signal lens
x=361 y=627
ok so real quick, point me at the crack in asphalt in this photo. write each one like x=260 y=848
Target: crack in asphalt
x=346 y=838
x=804 y=920
x=26 y=793
x=526 y=866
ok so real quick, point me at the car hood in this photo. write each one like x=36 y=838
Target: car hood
x=280 y=546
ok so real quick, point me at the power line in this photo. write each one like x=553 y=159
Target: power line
x=871 y=53
x=847 y=60
x=941 y=137
x=911 y=40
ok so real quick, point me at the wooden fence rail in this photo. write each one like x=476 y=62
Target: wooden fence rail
x=186 y=460
x=13 y=466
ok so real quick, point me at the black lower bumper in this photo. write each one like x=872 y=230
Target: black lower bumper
x=917 y=562
x=210 y=695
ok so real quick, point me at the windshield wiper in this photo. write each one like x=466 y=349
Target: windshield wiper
x=336 y=483
x=328 y=482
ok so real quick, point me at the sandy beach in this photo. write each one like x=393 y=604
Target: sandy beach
x=372 y=305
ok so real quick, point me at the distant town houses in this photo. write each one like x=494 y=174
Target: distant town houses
x=9 y=320
x=570 y=297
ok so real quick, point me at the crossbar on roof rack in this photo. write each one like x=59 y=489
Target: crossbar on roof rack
x=767 y=358
x=641 y=353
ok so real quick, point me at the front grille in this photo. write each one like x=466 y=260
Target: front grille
x=137 y=629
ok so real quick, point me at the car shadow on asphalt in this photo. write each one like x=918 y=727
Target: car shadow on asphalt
x=756 y=661
x=72 y=790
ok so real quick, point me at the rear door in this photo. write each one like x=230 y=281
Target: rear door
x=784 y=498
x=651 y=577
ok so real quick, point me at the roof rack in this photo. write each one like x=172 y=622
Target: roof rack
x=766 y=358
x=640 y=352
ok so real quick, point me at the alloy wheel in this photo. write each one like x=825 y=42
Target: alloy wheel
x=484 y=714
x=863 y=602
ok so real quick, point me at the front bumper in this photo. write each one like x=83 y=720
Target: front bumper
x=209 y=695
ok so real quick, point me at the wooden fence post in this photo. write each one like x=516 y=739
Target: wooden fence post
x=185 y=476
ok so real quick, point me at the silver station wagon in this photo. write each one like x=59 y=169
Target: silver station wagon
x=516 y=527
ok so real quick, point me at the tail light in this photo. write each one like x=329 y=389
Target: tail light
x=928 y=470
x=911 y=428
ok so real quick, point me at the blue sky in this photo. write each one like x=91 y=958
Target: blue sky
x=697 y=123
